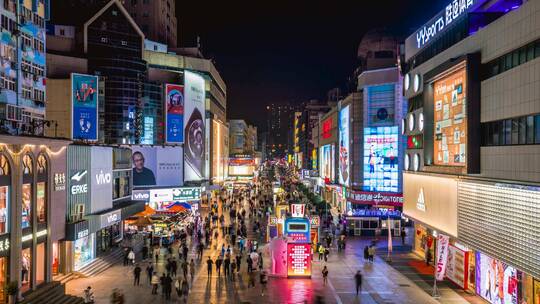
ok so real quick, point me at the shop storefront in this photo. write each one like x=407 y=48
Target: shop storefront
x=110 y=231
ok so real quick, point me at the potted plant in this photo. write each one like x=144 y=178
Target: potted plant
x=11 y=289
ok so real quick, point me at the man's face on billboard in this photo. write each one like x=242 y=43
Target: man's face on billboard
x=138 y=161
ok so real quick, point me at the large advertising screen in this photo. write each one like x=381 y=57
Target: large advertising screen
x=157 y=166
x=101 y=178
x=344 y=172
x=174 y=116
x=381 y=172
x=381 y=104
x=84 y=98
x=219 y=158
x=194 y=128
x=496 y=282
x=298 y=260
x=450 y=119
x=241 y=166
x=326 y=158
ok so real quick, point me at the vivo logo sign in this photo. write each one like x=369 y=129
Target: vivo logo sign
x=103 y=178
x=110 y=218
x=141 y=196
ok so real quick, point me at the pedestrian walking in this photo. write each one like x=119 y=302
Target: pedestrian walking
x=358 y=280
x=149 y=272
x=178 y=287
x=251 y=279
x=131 y=257
x=126 y=254
x=366 y=253
x=136 y=275
x=249 y=264
x=263 y=281
x=321 y=252
x=326 y=253
x=209 y=264
x=167 y=287
x=227 y=265
x=325 y=275
x=371 y=253
x=185 y=269
x=156 y=253
x=403 y=234
x=219 y=261
x=155 y=283
x=238 y=261
x=185 y=290
x=144 y=252
x=260 y=261
x=192 y=269
x=174 y=267
x=233 y=269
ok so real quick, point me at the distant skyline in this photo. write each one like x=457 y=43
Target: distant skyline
x=289 y=51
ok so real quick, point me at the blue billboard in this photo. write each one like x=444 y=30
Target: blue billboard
x=84 y=98
x=174 y=115
x=381 y=169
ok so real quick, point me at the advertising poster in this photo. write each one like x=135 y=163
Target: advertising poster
x=157 y=166
x=457 y=269
x=450 y=119
x=343 y=168
x=381 y=104
x=326 y=157
x=241 y=166
x=174 y=116
x=194 y=128
x=381 y=169
x=496 y=282
x=84 y=98
x=298 y=260
x=442 y=256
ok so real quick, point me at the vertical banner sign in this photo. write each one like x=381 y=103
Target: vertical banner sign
x=442 y=256
x=174 y=116
x=84 y=100
x=344 y=146
x=194 y=128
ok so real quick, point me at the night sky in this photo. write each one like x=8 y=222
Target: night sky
x=289 y=51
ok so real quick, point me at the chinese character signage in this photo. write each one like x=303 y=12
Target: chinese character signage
x=298 y=210
x=376 y=198
x=84 y=98
x=174 y=118
x=298 y=260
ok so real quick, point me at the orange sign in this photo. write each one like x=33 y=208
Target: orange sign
x=450 y=118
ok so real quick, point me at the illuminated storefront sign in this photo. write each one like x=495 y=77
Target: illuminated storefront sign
x=437 y=25
x=327 y=128
x=343 y=158
x=183 y=194
x=59 y=181
x=297 y=230
x=110 y=218
x=79 y=181
x=327 y=163
x=376 y=198
x=315 y=221
x=298 y=260
x=381 y=169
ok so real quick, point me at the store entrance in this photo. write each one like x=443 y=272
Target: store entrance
x=103 y=241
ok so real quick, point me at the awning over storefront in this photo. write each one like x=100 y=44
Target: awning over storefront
x=148 y=211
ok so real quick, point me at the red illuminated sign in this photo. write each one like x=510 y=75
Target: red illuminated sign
x=298 y=260
x=327 y=128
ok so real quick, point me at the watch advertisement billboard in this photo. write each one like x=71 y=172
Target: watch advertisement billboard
x=450 y=119
x=327 y=163
x=343 y=168
x=381 y=170
x=298 y=260
x=496 y=282
x=157 y=166
x=101 y=178
x=84 y=103
x=174 y=116
x=194 y=128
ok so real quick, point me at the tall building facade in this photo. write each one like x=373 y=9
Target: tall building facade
x=22 y=73
x=472 y=172
x=157 y=19
x=279 y=118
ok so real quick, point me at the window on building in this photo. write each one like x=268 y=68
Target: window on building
x=530 y=129
x=537 y=129
x=26 y=206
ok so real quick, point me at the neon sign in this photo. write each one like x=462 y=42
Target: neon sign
x=327 y=128
x=298 y=260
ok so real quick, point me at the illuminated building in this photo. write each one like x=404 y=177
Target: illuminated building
x=471 y=168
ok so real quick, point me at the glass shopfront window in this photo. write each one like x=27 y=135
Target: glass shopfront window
x=83 y=251
x=4 y=211
x=40 y=263
x=26 y=206
x=56 y=258
x=41 y=203
x=26 y=268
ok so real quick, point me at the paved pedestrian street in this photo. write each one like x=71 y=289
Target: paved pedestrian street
x=382 y=284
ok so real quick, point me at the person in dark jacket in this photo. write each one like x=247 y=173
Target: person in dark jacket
x=358 y=281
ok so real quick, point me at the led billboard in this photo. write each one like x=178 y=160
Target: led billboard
x=157 y=166
x=450 y=119
x=174 y=116
x=327 y=162
x=241 y=166
x=84 y=98
x=343 y=168
x=496 y=282
x=194 y=128
x=381 y=170
x=298 y=260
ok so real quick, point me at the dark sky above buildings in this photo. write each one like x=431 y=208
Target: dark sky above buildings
x=289 y=51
